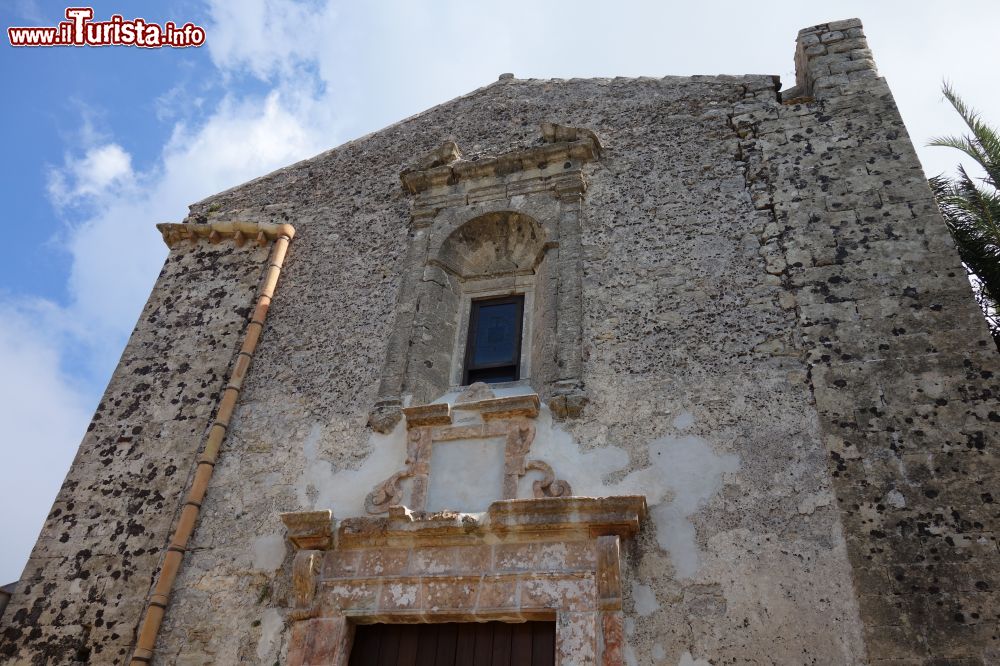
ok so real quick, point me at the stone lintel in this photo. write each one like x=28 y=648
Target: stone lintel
x=504 y=408
x=546 y=519
x=214 y=232
x=309 y=530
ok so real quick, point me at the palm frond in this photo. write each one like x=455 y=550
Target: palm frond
x=983 y=145
x=971 y=209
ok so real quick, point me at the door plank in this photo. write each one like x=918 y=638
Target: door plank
x=365 y=650
x=501 y=644
x=484 y=645
x=427 y=644
x=455 y=644
x=520 y=644
x=543 y=648
x=388 y=640
x=465 y=646
x=447 y=645
x=409 y=636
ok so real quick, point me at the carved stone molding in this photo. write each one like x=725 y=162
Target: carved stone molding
x=306 y=566
x=510 y=417
x=548 y=485
x=540 y=559
x=564 y=518
x=444 y=167
x=214 y=232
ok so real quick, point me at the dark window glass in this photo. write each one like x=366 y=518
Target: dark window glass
x=493 y=352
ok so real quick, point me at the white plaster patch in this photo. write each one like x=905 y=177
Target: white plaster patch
x=320 y=487
x=466 y=474
x=659 y=654
x=268 y=552
x=645 y=599
x=683 y=421
x=583 y=469
x=630 y=658
x=693 y=471
x=683 y=475
x=688 y=660
x=270 y=629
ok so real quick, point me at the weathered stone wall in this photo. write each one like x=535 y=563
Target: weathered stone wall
x=770 y=308
x=697 y=398
x=83 y=590
x=903 y=370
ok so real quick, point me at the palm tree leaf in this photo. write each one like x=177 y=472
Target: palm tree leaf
x=971 y=209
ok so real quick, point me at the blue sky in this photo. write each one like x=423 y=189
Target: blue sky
x=102 y=143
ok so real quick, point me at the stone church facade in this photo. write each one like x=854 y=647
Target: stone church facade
x=679 y=370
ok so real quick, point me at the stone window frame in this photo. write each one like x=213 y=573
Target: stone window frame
x=474 y=290
x=544 y=182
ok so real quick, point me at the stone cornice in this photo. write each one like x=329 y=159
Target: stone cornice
x=558 y=517
x=447 y=168
x=240 y=232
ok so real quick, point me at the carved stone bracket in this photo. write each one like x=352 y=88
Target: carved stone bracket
x=385 y=415
x=309 y=529
x=305 y=569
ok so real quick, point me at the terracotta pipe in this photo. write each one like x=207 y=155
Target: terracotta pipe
x=160 y=597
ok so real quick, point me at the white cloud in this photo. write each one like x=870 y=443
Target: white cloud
x=101 y=169
x=116 y=254
x=44 y=415
x=269 y=37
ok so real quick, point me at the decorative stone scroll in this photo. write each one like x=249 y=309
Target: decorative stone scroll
x=537 y=559
x=484 y=416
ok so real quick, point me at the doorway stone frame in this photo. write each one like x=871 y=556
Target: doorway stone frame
x=533 y=559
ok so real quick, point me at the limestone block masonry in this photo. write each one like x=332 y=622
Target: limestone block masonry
x=756 y=420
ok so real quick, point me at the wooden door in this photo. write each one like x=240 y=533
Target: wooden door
x=455 y=644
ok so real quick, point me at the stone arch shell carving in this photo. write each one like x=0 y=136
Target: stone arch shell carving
x=493 y=244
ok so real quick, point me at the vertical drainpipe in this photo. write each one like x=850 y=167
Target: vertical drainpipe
x=156 y=608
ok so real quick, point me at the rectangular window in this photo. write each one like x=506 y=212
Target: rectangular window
x=493 y=351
